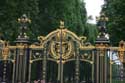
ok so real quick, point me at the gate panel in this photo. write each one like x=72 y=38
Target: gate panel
x=85 y=72
x=69 y=72
x=36 y=70
x=61 y=57
x=52 y=71
x=36 y=58
x=87 y=64
x=116 y=68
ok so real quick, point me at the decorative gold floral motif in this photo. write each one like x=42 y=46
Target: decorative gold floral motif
x=63 y=50
x=5 y=50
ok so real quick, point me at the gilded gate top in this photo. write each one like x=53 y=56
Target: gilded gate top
x=62 y=33
x=61 y=42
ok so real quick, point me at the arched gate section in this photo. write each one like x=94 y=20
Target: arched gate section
x=61 y=57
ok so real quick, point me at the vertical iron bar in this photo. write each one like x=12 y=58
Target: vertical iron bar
x=44 y=64
x=105 y=66
x=59 y=72
x=111 y=69
x=77 y=65
x=29 y=76
x=61 y=77
x=100 y=68
x=77 y=69
x=30 y=65
x=93 y=66
x=97 y=67
x=17 y=66
x=20 y=68
x=14 y=67
x=25 y=64
x=4 y=71
x=121 y=73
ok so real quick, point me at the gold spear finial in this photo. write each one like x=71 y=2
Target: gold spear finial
x=61 y=24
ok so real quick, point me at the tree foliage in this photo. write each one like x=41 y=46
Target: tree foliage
x=115 y=10
x=45 y=16
x=91 y=32
x=11 y=10
x=71 y=11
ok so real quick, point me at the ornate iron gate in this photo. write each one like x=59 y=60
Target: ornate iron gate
x=61 y=57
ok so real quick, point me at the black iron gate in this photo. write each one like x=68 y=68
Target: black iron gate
x=61 y=57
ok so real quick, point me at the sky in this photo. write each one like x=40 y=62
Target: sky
x=93 y=8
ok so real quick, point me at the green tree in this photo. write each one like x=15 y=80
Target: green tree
x=115 y=10
x=11 y=10
x=73 y=12
x=91 y=32
x=7 y=18
x=45 y=16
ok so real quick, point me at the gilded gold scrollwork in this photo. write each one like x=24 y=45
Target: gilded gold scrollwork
x=61 y=42
x=82 y=39
x=64 y=50
x=87 y=56
x=41 y=39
